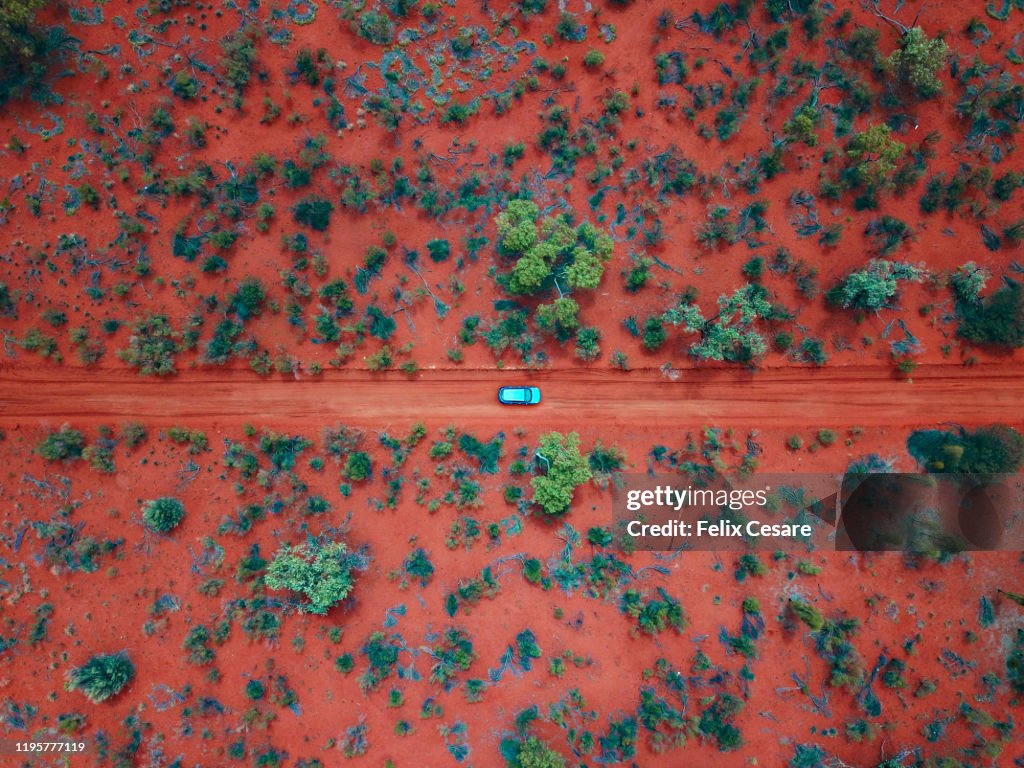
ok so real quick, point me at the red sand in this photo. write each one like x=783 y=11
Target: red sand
x=923 y=613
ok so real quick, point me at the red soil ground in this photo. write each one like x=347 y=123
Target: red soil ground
x=918 y=612
x=926 y=614
x=940 y=241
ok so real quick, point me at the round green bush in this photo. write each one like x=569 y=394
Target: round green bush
x=102 y=676
x=163 y=514
x=321 y=572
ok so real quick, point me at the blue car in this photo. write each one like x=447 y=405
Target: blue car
x=519 y=395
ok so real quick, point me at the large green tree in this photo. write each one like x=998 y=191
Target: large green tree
x=873 y=155
x=534 y=753
x=26 y=48
x=549 y=250
x=874 y=287
x=566 y=469
x=731 y=334
x=320 y=572
x=997 y=319
x=916 y=63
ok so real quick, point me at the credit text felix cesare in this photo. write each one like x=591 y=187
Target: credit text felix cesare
x=665 y=497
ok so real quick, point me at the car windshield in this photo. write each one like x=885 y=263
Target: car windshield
x=518 y=394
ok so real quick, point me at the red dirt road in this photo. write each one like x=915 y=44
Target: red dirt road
x=780 y=397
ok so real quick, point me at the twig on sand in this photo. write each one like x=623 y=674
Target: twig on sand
x=187 y=474
x=903 y=28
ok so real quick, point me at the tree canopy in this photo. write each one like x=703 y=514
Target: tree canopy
x=873 y=154
x=320 y=572
x=874 y=287
x=26 y=48
x=534 y=753
x=566 y=469
x=66 y=444
x=916 y=62
x=730 y=335
x=997 y=319
x=988 y=450
x=550 y=249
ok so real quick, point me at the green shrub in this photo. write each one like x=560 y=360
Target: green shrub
x=308 y=65
x=358 y=466
x=314 y=212
x=88 y=195
x=486 y=454
x=382 y=654
x=222 y=239
x=1015 y=663
x=887 y=233
x=807 y=613
x=531 y=7
x=587 y=347
x=418 y=565
x=440 y=449
x=716 y=722
x=336 y=292
x=968 y=281
x=513 y=152
x=653 y=615
x=152 y=346
x=248 y=299
x=753 y=269
x=320 y=572
x=593 y=58
x=184 y=86
x=380 y=324
x=439 y=250
x=375 y=27
x=380 y=360
x=638 y=276
x=654 y=333
x=875 y=287
x=862 y=45
x=459 y=113
x=807 y=756
x=132 y=434
x=569 y=29
x=8 y=302
x=988 y=450
x=811 y=351
x=534 y=753
x=871 y=157
x=102 y=676
x=163 y=514
x=66 y=444
x=998 y=319
x=295 y=175
x=239 y=56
